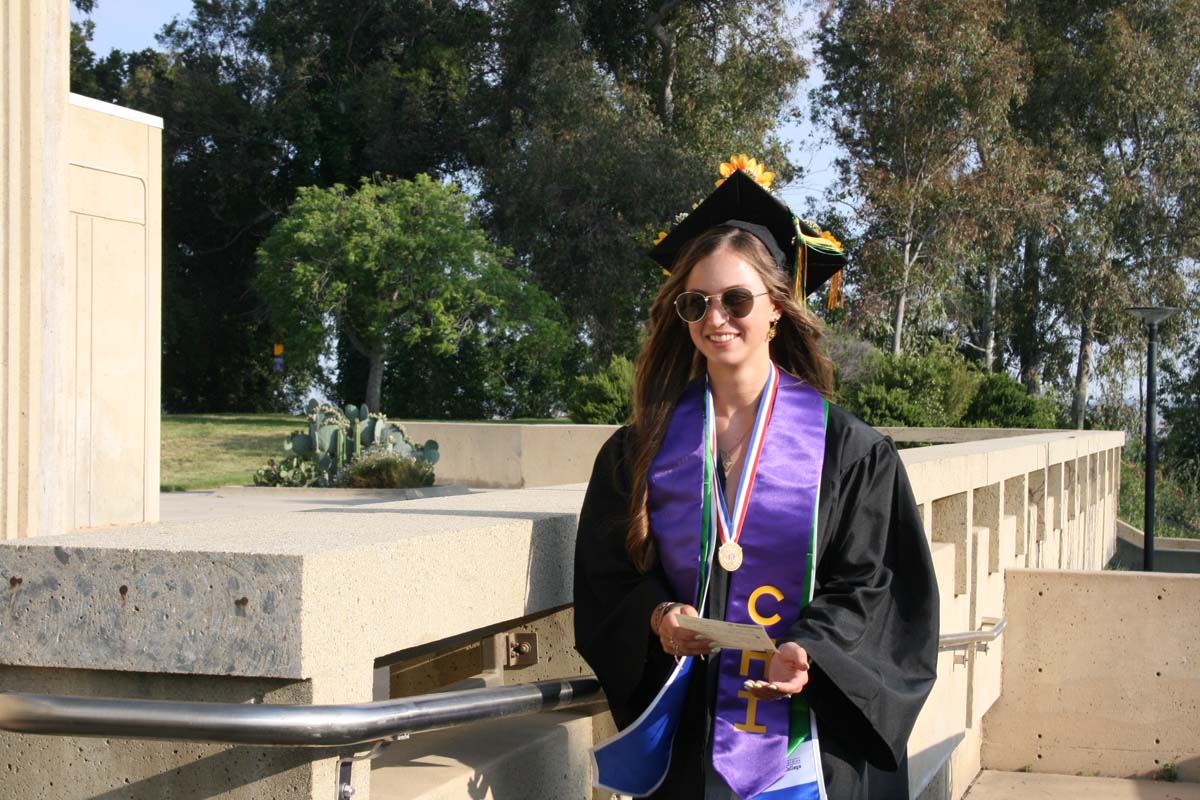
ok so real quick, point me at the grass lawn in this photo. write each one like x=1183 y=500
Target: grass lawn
x=200 y=451
x=203 y=451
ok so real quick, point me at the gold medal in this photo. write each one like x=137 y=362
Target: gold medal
x=730 y=556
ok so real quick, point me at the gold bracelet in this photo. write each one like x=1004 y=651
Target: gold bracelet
x=660 y=611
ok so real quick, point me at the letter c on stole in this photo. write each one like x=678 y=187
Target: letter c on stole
x=752 y=604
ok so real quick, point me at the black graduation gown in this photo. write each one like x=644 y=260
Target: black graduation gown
x=871 y=630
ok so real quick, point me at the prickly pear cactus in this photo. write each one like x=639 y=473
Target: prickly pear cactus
x=427 y=452
x=334 y=440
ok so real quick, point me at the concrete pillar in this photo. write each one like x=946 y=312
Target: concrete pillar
x=1016 y=505
x=33 y=103
x=951 y=524
x=988 y=512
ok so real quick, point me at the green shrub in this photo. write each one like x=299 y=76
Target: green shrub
x=1001 y=402
x=855 y=361
x=1176 y=500
x=927 y=391
x=378 y=467
x=606 y=397
x=888 y=406
x=1114 y=413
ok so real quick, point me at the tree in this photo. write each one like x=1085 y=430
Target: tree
x=397 y=268
x=605 y=397
x=912 y=87
x=364 y=88
x=515 y=358
x=1181 y=413
x=259 y=98
x=582 y=157
x=1111 y=104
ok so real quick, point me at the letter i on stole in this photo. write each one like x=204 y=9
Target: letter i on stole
x=751 y=725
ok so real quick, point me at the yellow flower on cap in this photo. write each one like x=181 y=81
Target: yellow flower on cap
x=748 y=165
x=661 y=235
x=832 y=239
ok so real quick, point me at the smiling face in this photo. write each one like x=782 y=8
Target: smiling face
x=730 y=342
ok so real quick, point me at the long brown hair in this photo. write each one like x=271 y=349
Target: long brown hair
x=669 y=360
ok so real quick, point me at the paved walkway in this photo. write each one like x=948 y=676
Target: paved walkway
x=1033 y=786
x=243 y=501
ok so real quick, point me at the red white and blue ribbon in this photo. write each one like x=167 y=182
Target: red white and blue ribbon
x=729 y=529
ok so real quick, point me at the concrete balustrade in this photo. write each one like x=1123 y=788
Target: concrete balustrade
x=292 y=608
x=302 y=608
x=1046 y=500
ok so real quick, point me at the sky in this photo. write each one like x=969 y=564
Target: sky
x=132 y=24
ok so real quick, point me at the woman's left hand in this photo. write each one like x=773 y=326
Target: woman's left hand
x=787 y=674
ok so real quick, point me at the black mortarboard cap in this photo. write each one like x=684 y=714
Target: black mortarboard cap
x=740 y=201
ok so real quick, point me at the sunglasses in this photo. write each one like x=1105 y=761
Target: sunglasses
x=737 y=303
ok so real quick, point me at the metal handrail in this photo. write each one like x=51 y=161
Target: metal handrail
x=318 y=726
x=285 y=725
x=956 y=641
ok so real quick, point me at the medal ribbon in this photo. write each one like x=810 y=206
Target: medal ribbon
x=731 y=529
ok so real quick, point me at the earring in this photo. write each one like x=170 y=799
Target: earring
x=773 y=329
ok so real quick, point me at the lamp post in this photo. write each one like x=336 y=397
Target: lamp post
x=1152 y=316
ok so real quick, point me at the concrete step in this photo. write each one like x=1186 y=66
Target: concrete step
x=1035 y=786
x=543 y=756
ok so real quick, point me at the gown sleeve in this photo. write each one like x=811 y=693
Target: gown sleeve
x=613 y=599
x=871 y=629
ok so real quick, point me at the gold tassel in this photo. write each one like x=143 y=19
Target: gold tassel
x=836 y=300
x=801 y=261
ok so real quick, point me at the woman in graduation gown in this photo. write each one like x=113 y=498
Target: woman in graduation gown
x=739 y=493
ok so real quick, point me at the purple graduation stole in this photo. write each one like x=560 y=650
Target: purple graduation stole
x=762 y=749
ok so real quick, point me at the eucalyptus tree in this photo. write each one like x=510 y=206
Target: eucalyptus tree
x=1113 y=102
x=911 y=89
x=594 y=137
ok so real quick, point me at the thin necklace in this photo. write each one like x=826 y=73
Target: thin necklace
x=727 y=453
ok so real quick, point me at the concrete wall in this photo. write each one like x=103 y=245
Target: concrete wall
x=79 y=405
x=1100 y=675
x=113 y=279
x=494 y=455
x=1170 y=554
x=33 y=306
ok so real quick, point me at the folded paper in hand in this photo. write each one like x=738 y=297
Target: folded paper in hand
x=731 y=635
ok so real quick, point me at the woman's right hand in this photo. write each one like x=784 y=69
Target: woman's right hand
x=678 y=642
